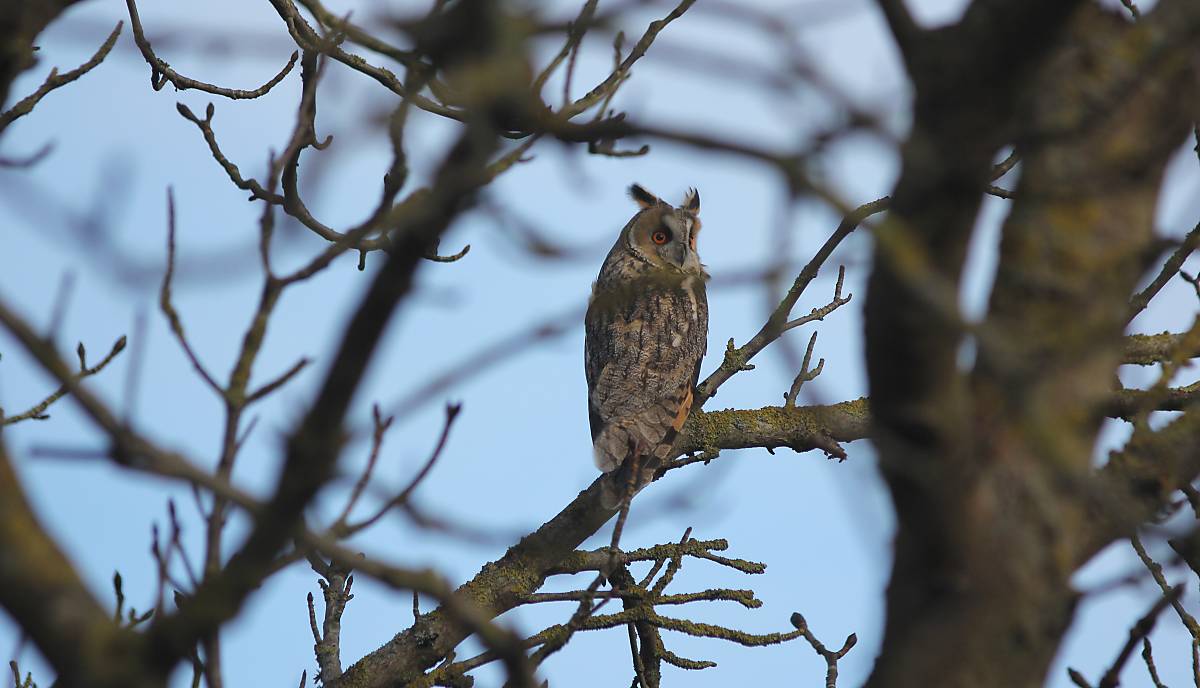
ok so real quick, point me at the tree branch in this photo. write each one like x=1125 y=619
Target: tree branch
x=41 y=590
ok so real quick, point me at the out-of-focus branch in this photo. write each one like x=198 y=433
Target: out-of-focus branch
x=1128 y=403
x=40 y=589
x=1137 y=634
x=601 y=91
x=315 y=444
x=1138 y=480
x=1148 y=349
x=1004 y=450
x=904 y=28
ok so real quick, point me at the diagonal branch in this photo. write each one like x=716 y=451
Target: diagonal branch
x=777 y=323
x=38 y=411
x=41 y=590
x=56 y=80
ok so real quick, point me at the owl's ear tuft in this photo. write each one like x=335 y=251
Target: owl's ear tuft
x=643 y=197
x=691 y=201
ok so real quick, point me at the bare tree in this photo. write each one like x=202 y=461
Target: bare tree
x=988 y=463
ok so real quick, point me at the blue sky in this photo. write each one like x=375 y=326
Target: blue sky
x=95 y=210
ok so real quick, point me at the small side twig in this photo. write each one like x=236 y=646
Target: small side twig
x=1192 y=280
x=452 y=411
x=737 y=359
x=382 y=425
x=38 y=412
x=168 y=309
x=819 y=313
x=831 y=656
x=27 y=682
x=805 y=375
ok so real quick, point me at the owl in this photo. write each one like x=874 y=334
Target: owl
x=646 y=332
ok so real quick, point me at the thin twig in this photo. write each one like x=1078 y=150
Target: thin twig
x=55 y=80
x=161 y=72
x=1169 y=269
x=382 y=425
x=38 y=412
x=452 y=411
x=1137 y=633
x=168 y=309
x=1148 y=658
x=831 y=657
x=736 y=359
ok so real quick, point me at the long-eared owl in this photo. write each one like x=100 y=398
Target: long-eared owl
x=646 y=332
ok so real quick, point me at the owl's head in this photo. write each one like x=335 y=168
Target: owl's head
x=662 y=235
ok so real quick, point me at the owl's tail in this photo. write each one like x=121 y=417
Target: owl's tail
x=629 y=479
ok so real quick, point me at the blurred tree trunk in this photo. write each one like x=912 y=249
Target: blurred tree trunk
x=990 y=468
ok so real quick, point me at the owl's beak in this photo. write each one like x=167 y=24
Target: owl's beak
x=683 y=253
x=680 y=253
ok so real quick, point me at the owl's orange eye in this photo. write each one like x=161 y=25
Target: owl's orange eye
x=660 y=237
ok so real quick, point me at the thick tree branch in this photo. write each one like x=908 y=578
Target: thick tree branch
x=1138 y=481
x=977 y=466
x=904 y=29
x=41 y=590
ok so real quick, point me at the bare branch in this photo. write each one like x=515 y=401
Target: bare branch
x=53 y=81
x=38 y=411
x=790 y=397
x=904 y=29
x=161 y=73
x=78 y=638
x=1137 y=634
x=274 y=385
x=164 y=302
x=452 y=411
x=778 y=322
x=831 y=657
x=1148 y=658
x=636 y=53
x=1169 y=269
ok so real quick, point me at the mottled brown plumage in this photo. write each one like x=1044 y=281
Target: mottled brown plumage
x=647 y=329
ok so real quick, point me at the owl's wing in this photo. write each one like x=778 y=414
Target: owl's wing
x=642 y=354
